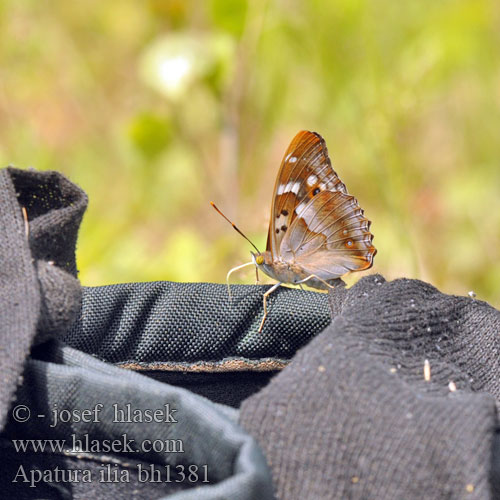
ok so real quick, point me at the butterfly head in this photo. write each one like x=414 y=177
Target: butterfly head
x=263 y=261
x=262 y=258
x=258 y=259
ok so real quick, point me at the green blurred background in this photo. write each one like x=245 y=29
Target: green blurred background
x=157 y=107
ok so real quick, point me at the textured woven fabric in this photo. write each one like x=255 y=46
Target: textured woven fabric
x=367 y=423
x=164 y=325
x=54 y=207
x=202 y=433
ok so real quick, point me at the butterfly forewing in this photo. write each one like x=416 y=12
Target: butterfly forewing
x=305 y=171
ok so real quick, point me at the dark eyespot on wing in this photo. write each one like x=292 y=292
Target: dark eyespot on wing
x=316 y=191
x=284 y=212
x=283 y=228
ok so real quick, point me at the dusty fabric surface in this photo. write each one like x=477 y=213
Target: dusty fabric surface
x=36 y=255
x=367 y=423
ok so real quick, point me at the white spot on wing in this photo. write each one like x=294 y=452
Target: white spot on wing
x=312 y=179
x=300 y=207
x=292 y=159
x=289 y=187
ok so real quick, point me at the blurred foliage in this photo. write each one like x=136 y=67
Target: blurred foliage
x=156 y=107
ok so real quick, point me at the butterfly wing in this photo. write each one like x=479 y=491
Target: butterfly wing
x=305 y=171
x=329 y=237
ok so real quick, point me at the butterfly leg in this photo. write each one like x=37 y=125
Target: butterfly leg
x=318 y=278
x=229 y=274
x=271 y=290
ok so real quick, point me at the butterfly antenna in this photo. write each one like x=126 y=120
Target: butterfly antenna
x=234 y=226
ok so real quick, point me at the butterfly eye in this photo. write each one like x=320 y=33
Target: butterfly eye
x=259 y=260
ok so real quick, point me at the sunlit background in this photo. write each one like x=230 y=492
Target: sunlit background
x=157 y=107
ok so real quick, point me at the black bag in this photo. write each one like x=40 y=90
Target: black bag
x=167 y=390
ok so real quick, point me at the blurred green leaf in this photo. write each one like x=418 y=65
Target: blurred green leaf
x=150 y=134
x=229 y=15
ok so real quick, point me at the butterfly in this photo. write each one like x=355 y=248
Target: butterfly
x=318 y=231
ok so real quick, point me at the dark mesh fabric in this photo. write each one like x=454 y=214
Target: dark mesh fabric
x=333 y=408
x=167 y=325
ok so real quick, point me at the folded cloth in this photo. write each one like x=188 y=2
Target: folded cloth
x=397 y=398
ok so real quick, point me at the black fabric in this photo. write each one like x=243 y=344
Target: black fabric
x=228 y=387
x=367 y=423
x=340 y=411
x=37 y=279
x=73 y=380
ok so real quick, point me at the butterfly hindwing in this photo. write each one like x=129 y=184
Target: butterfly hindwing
x=305 y=171
x=330 y=236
